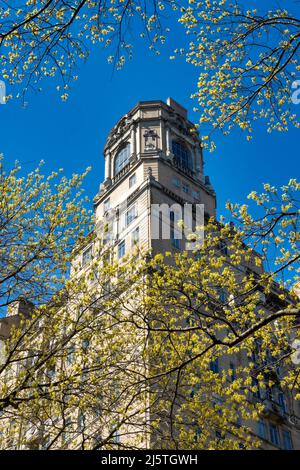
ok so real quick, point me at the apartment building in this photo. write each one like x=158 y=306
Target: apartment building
x=153 y=157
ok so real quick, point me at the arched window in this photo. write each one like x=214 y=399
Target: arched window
x=122 y=159
x=182 y=155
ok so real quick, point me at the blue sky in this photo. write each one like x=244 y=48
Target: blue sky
x=72 y=134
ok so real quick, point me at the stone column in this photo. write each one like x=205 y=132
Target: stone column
x=108 y=165
x=168 y=141
x=133 y=140
x=138 y=140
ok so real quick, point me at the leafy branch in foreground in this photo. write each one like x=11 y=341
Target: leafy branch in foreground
x=248 y=58
x=173 y=351
x=41 y=218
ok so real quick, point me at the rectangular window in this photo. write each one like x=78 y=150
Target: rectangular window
x=51 y=372
x=132 y=180
x=222 y=296
x=175 y=242
x=176 y=182
x=185 y=188
x=116 y=437
x=106 y=205
x=282 y=402
x=107 y=234
x=121 y=249
x=262 y=430
x=130 y=215
x=196 y=195
x=287 y=440
x=274 y=435
x=65 y=434
x=87 y=256
x=80 y=421
x=135 y=236
x=70 y=356
x=106 y=258
x=85 y=344
x=198 y=433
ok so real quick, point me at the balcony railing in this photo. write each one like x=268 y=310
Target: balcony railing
x=121 y=173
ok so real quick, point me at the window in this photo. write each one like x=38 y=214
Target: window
x=182 y=155
x=107 y=287
x=106 y=205
x=116 y=437
x=135 y=236
x=70 y=356
x=196 y=195
x=185 y=188
x=274 y=435
x=51 y=372
x=132 y=180
x=130 y=215
x=80 y=421
x=287 y=440
x=122 y=159
x=106 y=258
x=222 y=296
x=107 y=234
x=262 y=430
x=121 y=249
x=175 y=242
x=176 y=182
x=86 y=256
x=281 y=402
x=214 y=366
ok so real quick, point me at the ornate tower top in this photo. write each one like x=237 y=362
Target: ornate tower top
x=158 y=128
x=157 y=135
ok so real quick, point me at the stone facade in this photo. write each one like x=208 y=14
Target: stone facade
x=166 y=164
x=153 y=156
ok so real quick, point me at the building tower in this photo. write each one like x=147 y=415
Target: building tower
x=152 y=156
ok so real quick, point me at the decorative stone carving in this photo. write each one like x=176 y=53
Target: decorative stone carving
x=149 y=174
x=105 y=185
x=151 y=139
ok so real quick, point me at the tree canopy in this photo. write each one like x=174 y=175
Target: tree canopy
x=42 y=218
x=130 y=351
x=248 y=59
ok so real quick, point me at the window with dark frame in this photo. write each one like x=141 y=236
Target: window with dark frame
x=182 y=155
x=121 y=249
x=122 y=159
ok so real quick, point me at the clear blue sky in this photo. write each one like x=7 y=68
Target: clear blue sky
x=71 y=134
